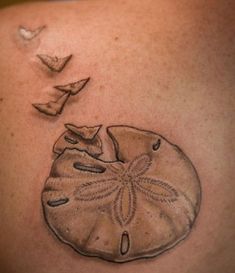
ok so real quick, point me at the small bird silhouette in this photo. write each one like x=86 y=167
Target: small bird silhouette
x=74 y=87
x=55 y=64
x=52 y=108
x=28 y=34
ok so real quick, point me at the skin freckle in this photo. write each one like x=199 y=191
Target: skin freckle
x=106 y=243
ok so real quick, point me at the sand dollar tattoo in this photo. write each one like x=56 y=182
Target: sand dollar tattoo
x=80 y=138
x=137 y=206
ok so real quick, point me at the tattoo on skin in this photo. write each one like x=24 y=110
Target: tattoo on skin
x=137 y=206
x=54 y=108
x=73 y=88
x=55 y=64
x=29 y=34
x=80 y=138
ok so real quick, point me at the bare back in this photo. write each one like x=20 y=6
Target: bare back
x=156 y=179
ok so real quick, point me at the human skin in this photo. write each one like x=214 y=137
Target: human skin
x=165 y=66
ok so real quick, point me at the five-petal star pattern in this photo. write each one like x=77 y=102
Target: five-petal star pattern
x=127 y=182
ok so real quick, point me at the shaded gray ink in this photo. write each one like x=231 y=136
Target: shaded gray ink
x=73 y=88
x=52 y=108
x=29 y=34
x=70 y=140
x=84 y=131
x=59 y=202
x=138 y=206
x=157 y=145
x=89 y=168
x=81 y=138
x=55 y=64
x=125 y=243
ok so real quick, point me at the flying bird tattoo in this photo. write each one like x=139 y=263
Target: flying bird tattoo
x=52 y=108
x=29 y=34
x=73 y=88
x=55 y=63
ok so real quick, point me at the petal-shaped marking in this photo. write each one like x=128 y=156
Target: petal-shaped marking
x=156 y=189
x=139 y=165
x=125 y=205
x=95 y=190
x=117 y=167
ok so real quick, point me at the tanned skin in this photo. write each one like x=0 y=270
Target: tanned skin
x=157 y=65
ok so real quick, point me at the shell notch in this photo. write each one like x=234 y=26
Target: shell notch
x=80 y=138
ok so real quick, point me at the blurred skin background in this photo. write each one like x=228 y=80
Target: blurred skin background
x=4 y=3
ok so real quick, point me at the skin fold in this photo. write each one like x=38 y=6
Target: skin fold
x=164 y=66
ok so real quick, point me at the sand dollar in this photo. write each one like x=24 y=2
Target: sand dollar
x=137 y=206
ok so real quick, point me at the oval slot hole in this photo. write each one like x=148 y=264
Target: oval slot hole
x=71 y=140
x=125 y=243
x=59 y=202
x=157 y=145
x=89 y=168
